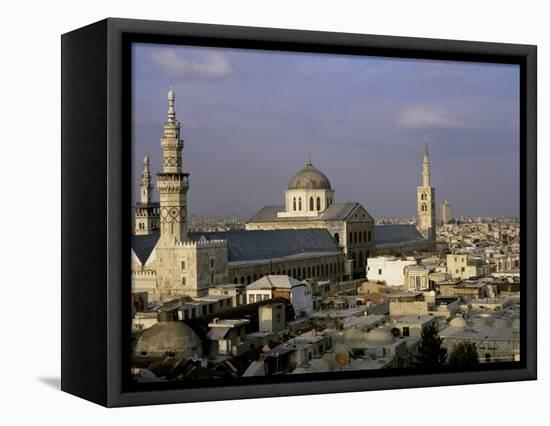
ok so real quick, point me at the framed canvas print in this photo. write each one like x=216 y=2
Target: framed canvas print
x=253 y=212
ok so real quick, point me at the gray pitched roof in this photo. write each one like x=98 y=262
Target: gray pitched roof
x=264 y=245
x=336 y=211
x=274 y=281
x=254 y=245
x=143 y=245
x=396 y=234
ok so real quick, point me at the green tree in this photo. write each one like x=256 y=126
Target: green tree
x=464 y=355
x=431 y=353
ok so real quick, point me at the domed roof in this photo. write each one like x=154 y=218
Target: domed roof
x=173 y=337
x=380 y=336
x=458 y=322
x=353 y=336
x=309 y=178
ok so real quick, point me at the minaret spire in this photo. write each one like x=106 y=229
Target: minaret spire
x=171 y=108
x=146 y=186
x=426 y=164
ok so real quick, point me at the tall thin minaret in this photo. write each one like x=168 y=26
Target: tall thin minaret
x=426 y=199
x=145 y=186
x=172 y=183
x=146 y=219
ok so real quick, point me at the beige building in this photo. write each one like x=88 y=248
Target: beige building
x=462 y=266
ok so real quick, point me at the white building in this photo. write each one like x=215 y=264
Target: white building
x=297 y=292
x=387 y=269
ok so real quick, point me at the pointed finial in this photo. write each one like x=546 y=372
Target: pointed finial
x=146 y=159
x=425 y=145
x=309 y=160
x=171 y=101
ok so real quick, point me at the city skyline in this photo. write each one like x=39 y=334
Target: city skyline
x=362 y=121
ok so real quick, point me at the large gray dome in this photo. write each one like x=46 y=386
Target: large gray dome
x=309 y=178
x=173 y=337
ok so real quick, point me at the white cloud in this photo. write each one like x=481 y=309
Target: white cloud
x=210 y=64
x=426 y=117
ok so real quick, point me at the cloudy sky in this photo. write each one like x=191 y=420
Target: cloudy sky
x=250 y=118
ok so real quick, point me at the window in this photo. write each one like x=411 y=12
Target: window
x=183 y=281
x=182 y=265
x=369 y=236
x=318 y=203
x=406 y=331
x=242 y=280
x=360 y=258
x=251 y=299
x=379 y=271
x=311 y=203
x=360 y=237
x=235 y=280
x=337 y=237
x=487 y=357
x=294 y=204
x=212 y=278
x=211 y=263
x=248 y=280
x=300 y=203
x=355 y=237
x=351 y=237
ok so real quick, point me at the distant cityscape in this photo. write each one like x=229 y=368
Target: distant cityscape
x=317 y=284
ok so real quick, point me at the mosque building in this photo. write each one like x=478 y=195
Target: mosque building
x=311 y=237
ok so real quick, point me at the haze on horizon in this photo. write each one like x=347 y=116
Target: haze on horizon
x=251 y=118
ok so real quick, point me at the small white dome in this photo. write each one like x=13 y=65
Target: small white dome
x=458 y=322
x=380 y=336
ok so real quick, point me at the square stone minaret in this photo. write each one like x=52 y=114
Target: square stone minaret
x=426 y=200
x=172 y=183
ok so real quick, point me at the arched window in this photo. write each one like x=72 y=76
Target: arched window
x=318 y=203
x=300 y=203
x=303 y=272
x=360 y=256
x=248 y=280
x=369 y=236
x=351 y=237
x=309 y=271
x=360 y=237
x=311 y=203
x=235 y=280
x=294 y=204
x=355 y=236
x=337 y=237
x=242 y=280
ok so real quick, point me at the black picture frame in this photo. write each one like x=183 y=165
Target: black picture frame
x=96 y=180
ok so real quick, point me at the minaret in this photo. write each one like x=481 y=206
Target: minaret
x=145 y=186
x=147 y=214
x=172 y=183
x=426 y=199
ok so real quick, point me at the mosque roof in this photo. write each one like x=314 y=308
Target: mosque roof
x=254 y=244
x=143 y=245
x=262 y=245
x=336 y=211
x=385 y=235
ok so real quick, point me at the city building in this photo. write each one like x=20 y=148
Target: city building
x=297 y=292
x=446 y=212
x=389 y=270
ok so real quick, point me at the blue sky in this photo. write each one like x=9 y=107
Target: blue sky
x=250 y=118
